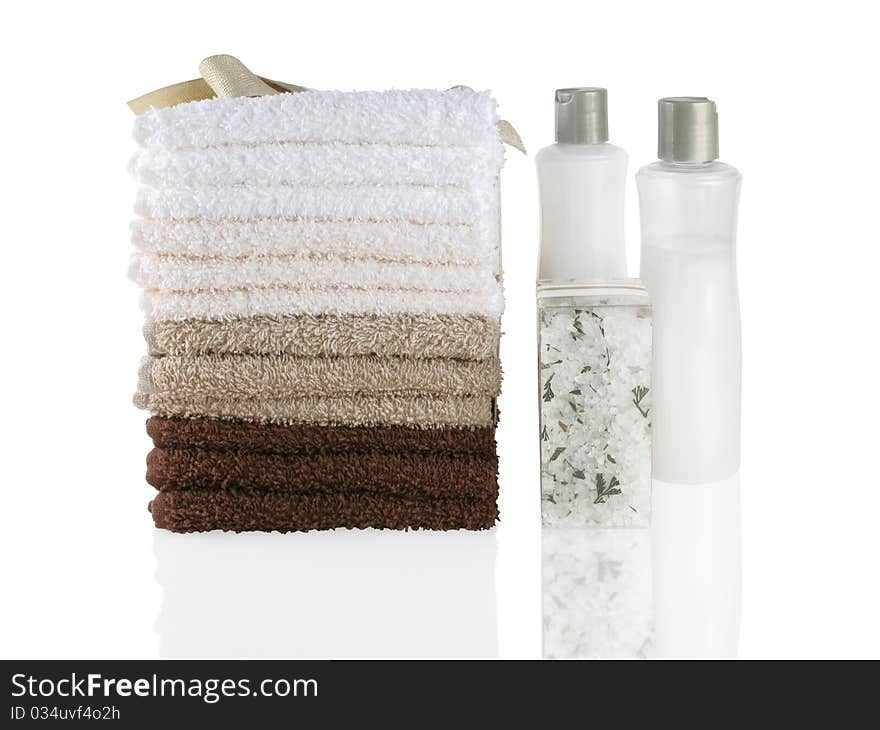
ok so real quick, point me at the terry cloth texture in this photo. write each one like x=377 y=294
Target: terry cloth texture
x=421 y=411
x=458 y=117
x=206 y=433
x=387 y=240
x=320 y=274
x=200 y=510
x=283 y=301
x=467 y=338
x=317 y=164
x=404 y=202
x=172 y=273
x=282 y=376
x=412 y=475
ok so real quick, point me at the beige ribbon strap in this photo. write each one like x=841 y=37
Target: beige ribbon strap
x=510 y=136
x=222 y=75
x=226 y=76
x=185 y=91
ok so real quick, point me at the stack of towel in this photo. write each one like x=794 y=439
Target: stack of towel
x=320 y=275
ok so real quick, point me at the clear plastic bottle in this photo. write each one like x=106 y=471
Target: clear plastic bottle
x=688 y=207
x=594 y=330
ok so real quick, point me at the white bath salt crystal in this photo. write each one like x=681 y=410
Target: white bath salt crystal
x=595 y=378
x=596 y=593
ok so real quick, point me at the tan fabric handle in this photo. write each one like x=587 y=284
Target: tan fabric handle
x=226 y=76
x=510 y=136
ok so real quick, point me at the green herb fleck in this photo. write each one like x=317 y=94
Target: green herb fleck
x=639 y=392
x=603 y=490
x=548 y=391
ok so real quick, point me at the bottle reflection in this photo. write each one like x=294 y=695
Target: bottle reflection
x=671 y=591
x=596 y=592
x=327 y=595
x=697 y=574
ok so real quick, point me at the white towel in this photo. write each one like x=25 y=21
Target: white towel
x=326 y=164
x=389 y=240
x=395 y=202
x=415 y=117
x=281 y=301
x=173 y=273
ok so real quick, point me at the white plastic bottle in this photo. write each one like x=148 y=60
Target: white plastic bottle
x=594 y=330
x=689 y=206
x=582 y=179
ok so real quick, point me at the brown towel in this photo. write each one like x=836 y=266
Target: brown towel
x=206 y=433
x=202 y=510
x=285 y=376
x=351 y=410
x=408 y=475
x=407 y=335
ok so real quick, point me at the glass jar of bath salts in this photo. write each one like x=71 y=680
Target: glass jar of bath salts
x=594 y=364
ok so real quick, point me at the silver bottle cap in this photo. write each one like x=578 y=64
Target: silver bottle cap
x=688 y=129
x=582 y=115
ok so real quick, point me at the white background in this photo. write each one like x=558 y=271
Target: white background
x=796 y=88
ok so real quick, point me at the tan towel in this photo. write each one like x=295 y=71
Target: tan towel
x=407 y=335
x=285 y=376
x=352 y=410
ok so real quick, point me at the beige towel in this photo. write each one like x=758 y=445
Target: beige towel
x=352 y=410
x=465 y=337
x=285 y=376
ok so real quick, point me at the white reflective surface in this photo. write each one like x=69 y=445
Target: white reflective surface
x=596 y=592
x=697 y=568
x=671 y=591
x=327 y=594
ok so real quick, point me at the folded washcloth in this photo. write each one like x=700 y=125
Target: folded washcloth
x=421 y=411
x=405 y=475
x=406 y=335
x=282 y=301
x=201 y=510
x=174 y=273
x=458 y=117
x=207 y=433
x=341 y=202
x=323 y=298
x=388 y=240
x=286 y=376
x=323 y=164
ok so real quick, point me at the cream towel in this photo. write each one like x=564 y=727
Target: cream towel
x=280 y=301
x=468 y=338
x=353 y=410
x=284 y=376
x=326 y=164
x=389 y=240
x=173 y=273
x=458 y=117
